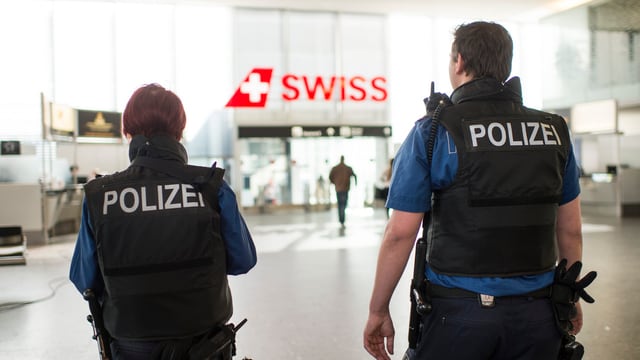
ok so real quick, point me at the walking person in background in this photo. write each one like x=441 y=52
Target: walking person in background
x=322 y=192
x=158 y=239
x=340 y=177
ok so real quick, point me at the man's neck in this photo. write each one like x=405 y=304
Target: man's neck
x=461 y=80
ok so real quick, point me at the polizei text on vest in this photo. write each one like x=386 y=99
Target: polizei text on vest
x=158 y=198
x=511 y=134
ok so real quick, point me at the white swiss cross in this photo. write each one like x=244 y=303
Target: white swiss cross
x=255 y=87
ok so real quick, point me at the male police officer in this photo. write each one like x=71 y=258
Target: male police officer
x=500 y=185
x=158 y=239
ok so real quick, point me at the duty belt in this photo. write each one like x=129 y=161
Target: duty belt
x=437 y=291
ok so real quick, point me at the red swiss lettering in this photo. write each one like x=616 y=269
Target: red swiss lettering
x=361 y=92
x=294 y=93
x=356 y=88
x=377 y=83
x=319 y=83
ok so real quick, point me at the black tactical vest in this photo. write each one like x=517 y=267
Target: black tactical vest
x=498 y=216
x=160 y=251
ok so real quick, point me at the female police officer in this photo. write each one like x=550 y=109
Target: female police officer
x=158 y=239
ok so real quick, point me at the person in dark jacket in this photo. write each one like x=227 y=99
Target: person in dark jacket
x=158 y=239
x=340 y=176
x=496 y=184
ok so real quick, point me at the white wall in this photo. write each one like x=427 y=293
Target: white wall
x=98 y=158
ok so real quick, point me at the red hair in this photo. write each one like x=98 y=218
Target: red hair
x=154 y=110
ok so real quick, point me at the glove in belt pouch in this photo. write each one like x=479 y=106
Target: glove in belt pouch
x=566 y=291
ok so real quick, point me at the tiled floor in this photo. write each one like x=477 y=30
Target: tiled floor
x=308 y=296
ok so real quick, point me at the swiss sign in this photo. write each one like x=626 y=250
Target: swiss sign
x=254 y=90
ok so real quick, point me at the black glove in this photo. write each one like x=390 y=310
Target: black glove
x=566 y=290
x=434 y=100
x=568 y=278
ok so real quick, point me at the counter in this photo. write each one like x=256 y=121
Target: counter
x=41 y=214
x=611 y=194
x=22 y=206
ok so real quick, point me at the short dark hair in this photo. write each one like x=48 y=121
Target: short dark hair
x=154 y=110
x=485 y=47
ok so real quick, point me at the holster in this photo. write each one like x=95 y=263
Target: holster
x=100 y=333
x=570 y=349
x=420 y=305
x=217 y=344
x=564 y=307
x=565 y=292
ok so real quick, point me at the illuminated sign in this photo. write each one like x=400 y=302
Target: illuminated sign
x=63 y=120
x=10 y=147
x=299 y=131
x=253 y=91
x=99 y=124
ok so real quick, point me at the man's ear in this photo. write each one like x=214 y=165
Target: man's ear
x=458 y=65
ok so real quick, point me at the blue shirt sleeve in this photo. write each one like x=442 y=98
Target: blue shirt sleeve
x=241 y=251
x=410 y=188
x=84 y=272
x=571 y=180
x=414 y=178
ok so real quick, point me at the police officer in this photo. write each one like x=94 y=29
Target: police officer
x=498 y=189
x=158 y=239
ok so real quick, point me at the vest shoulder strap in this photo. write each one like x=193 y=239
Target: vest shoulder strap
x=204 y=179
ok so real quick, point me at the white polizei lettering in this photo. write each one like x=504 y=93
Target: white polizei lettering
x=477 y=131
x=174 y=191
x=524 y=133
x=556 y=134
x=136 y=200
x=186 y=194
x=160 y=198
x=498 y=134
x=170 y=196
x=534 y=133
x=546 y=132
x=145 y=206
x=512 y=141
x=503 y=134
x=110 y=198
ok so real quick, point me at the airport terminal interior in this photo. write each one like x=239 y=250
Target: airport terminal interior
x=275 y=92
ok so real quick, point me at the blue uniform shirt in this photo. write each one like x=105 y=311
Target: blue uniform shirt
x=241 y=251
x=411 y=187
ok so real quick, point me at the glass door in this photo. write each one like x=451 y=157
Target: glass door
x=295 y=171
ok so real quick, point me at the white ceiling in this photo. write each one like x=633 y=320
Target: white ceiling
x=512 y=10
